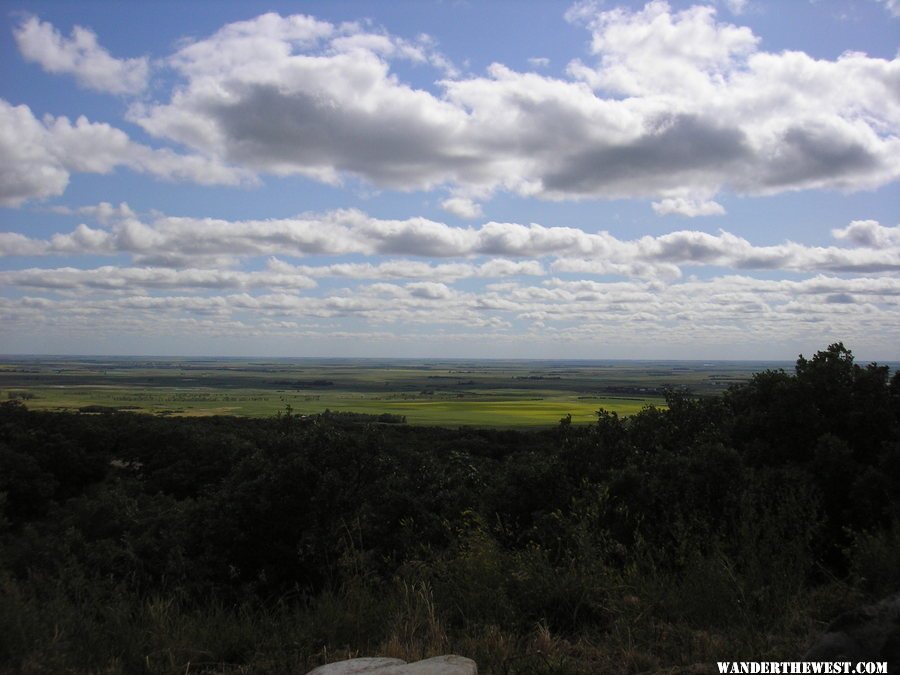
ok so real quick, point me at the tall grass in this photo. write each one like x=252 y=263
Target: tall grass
x=649 y=619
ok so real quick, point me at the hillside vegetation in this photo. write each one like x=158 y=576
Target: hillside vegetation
x=723 y=527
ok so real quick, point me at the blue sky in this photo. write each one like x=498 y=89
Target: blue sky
x=451 y=179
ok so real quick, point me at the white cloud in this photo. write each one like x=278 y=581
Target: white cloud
x=414 y=269
x=654 y=51
x=330 y=106
x=190 y=241
x=130 y=279
x=870 y=234
x=29 y=167
x=430 y=290
x=80 y=55
x=688 y=207
x=678 y=103
x=697 y=312
x=539 y=61
x=104 y=212
x=462 y=207
x=637 y=268
x=37 y=156
x=15 y=244
x=675 y=104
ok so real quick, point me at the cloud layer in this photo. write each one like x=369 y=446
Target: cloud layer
x=721 y=310
x=186 y=242
x=534 y=283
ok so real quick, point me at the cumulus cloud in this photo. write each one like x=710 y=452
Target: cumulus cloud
x=670 y=104
x=462 y=207
x=189 y=241
x=604 y=267
x=674 y=103
x=869 y=234
x=414 y=269
x=688 y=207
x=104 y=212
x=722 y=306
x=640 y=52
x=690 y=311
x=80 y=55
x=29 y=167
x=15 y=244
x=281 y=98
x=130 y=279
x=430 y=289
x=38 y=156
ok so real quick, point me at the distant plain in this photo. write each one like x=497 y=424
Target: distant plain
x=489 y=393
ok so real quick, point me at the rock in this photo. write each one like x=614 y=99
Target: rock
x=870 y=633
x=449 y=664
x=352 y=666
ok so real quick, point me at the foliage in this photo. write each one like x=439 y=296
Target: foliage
x=717 y=527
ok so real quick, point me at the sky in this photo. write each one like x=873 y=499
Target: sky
x=450 y=178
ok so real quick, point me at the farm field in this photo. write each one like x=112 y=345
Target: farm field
x=432 y=392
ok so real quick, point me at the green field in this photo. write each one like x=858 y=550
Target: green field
x=451 y=393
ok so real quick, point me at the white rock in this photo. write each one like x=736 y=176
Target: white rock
x=449 y=664
x=352 y=666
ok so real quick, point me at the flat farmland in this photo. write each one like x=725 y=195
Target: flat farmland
x=428 y=392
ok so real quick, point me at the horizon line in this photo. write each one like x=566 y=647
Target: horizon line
x=216 y=357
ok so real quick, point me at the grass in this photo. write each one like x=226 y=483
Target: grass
x=477 y=393
x=161 y=635
x=485 y=409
